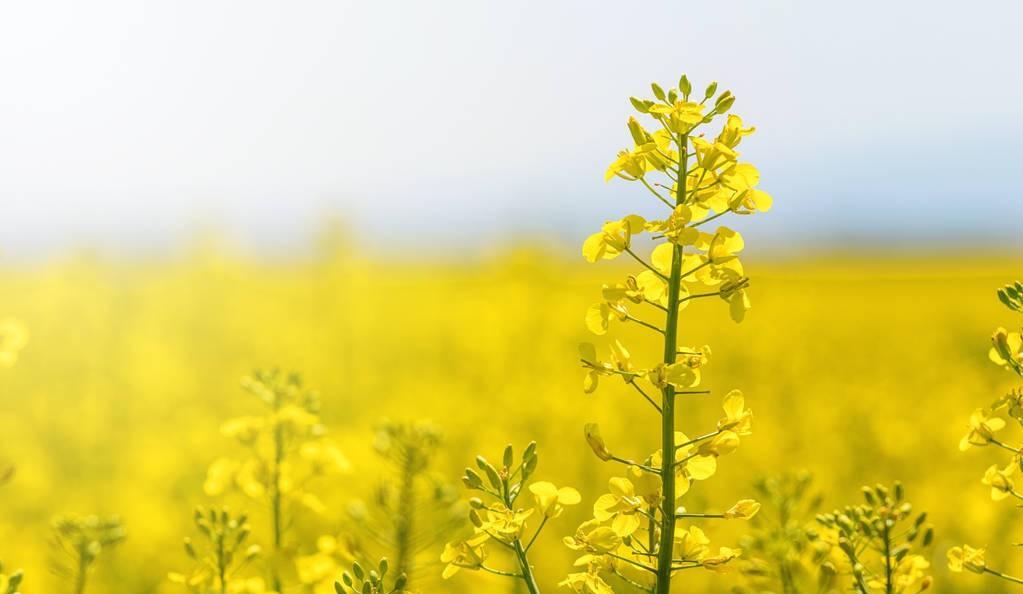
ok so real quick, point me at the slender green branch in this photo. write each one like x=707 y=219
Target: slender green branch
x=543 y=523
x=656 y=193
x=710 y=218
x=649 y=267
x=644 y=324
x=645 y=395
x=1004 y=576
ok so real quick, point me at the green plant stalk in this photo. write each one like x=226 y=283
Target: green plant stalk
x=665 y=552
x=527 y=571
x=80 y=575
x=275 y=498
x=221 y=565
x=406 y=517
x=520 y=553
x=889 y=587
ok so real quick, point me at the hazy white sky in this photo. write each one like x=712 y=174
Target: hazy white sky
x=131 y=123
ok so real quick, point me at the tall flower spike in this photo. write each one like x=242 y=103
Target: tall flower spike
x=983 y=430
x=286 y=449
x=695 y=178
x=499 y=522
x=883 y=542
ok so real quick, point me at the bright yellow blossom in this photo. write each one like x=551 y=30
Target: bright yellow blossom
x=1001 y=480
x=982 y=429
x=968 y=558
x=550 y=500
x=614 y=238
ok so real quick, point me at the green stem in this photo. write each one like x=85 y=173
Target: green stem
x=275 y=497
x=83 y=569
x=1004 y=576
x=665 y=551
x=221 y=565
x=888 y=578
x=406 y=507
x=520 y=553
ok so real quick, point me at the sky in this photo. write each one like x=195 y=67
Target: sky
x=133 y=125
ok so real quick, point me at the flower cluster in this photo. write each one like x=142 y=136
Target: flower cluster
x=359 y=581
x=407 y=512
x=82 y=540
x=697 y=178
x=287 y=447
x=222 y=557
x=881 y=542
x=782 y=551
x=499 y=520
x=983 y=428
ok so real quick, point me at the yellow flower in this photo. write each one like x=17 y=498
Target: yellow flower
x=245 y=429
x=680 y=118
x=982 y=429
x=738 y=418
x=469 y=554
x=220 y=476
x=732 y=132
x=599 y=316
x=586 y=583
x=614 y=238
x=743 y=509
x=721 y=444
x=910 y=571
x=593 y=537
x=691 y=545
x=13 y=338
x=968 y=558
x=723 y=245
x=734 y=292
x=1007 y=349
x=550 y=500
x=621 y=506
x=325 y=457
x=718 y=562
x=630 y=164
x=712 y=155
x=676 y=228
x=620 y=361
x=503 y=523
x=1000 y=480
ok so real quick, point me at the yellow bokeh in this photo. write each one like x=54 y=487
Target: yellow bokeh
x=860 y=370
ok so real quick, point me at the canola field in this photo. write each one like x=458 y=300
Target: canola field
x=860 y=369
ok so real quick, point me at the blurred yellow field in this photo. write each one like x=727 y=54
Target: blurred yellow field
x=343 y=297
x=860 y=369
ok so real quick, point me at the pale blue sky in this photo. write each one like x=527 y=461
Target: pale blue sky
x=132 y=123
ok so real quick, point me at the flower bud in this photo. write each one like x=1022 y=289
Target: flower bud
x=596 y=442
